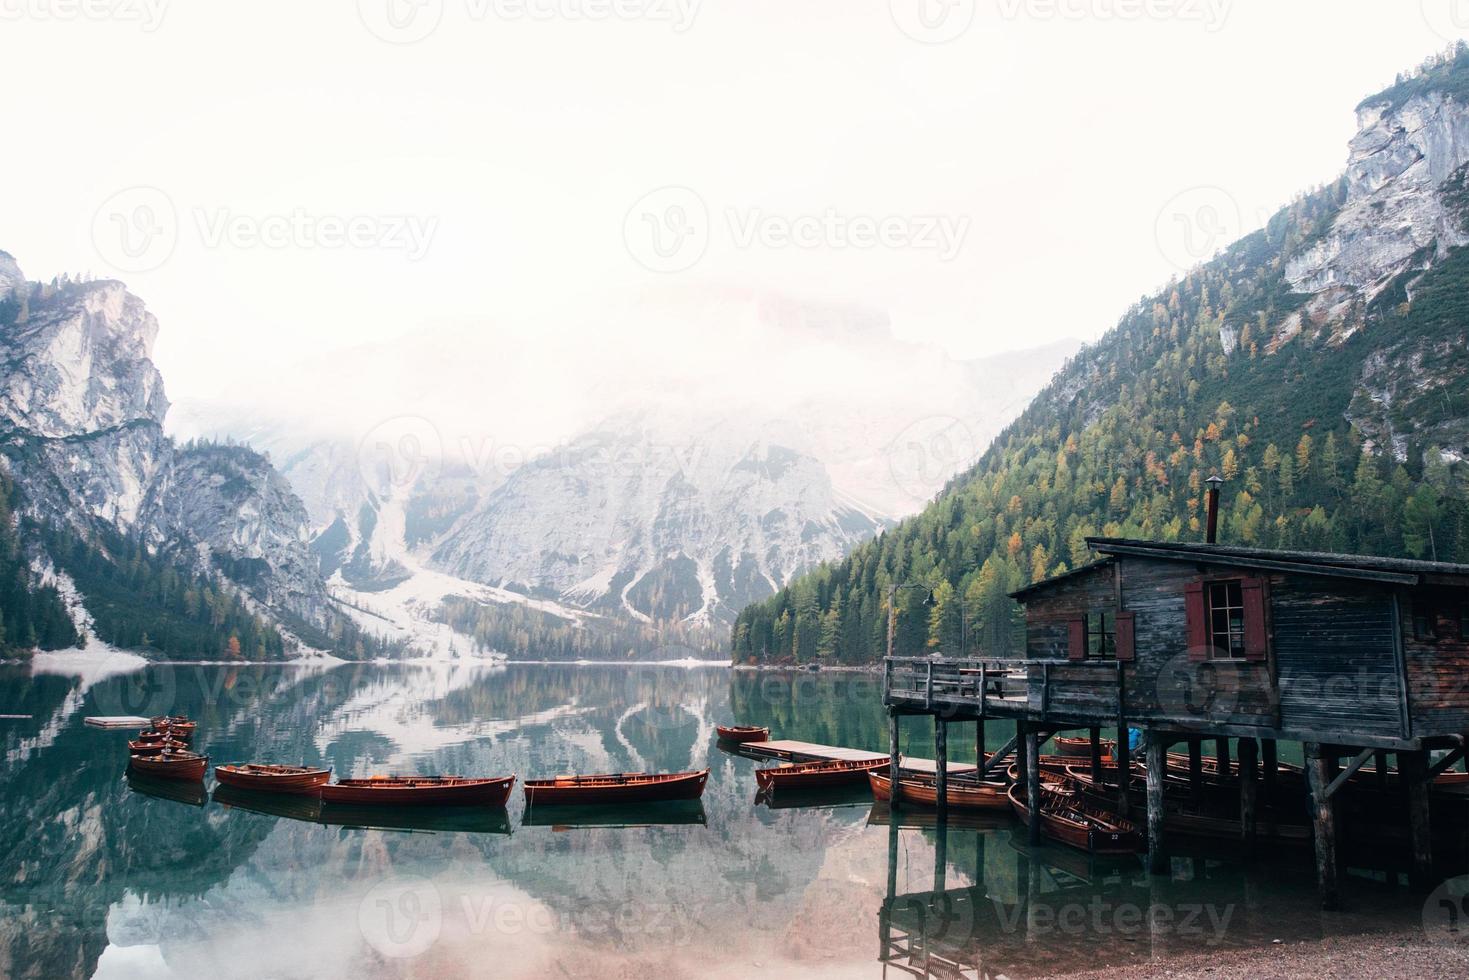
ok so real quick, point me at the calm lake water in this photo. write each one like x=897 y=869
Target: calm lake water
x=107 y=878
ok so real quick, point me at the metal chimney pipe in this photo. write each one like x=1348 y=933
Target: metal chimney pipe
x=1215 y=482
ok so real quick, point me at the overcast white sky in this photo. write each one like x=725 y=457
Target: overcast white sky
x=1021 y=182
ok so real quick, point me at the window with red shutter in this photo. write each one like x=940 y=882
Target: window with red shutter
x=1197 y=615
x=1257 y=636
x=1126 y=636
x=1076 y=645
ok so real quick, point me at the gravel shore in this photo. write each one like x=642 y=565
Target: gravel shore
x=1409 y=955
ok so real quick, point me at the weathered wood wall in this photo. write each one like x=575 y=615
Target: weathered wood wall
x=1438 y=667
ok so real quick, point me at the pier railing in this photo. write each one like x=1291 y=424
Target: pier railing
x=1001 y=687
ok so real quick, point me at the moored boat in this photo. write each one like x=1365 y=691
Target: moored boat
x=171 y=765
x=273 y=779
x=154 y=748
x=1068 y=819
x=961 y=793
x=742 y=733
x=156 y=735
x=1080 y=748
x=419 y=791
x=173 y=790
x=814 y=775
x=623 y=787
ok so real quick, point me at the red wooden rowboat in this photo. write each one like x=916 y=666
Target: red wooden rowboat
x=274 y=779
x=419 y=791
x=814 y=775
x=742 y=733
x=622 y=787
x=171 y=765
x=1067 y=818
x=961 y=793
x=154 y=748
x=1080 y=748
x=171 y=721
x=157 y=735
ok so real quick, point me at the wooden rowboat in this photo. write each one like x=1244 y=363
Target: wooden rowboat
x=157 y=735
x=1068 y=819
x=622 y=787
x=171 y=721
x=155 y=748
x=1080 y=748
x=274 y=779
x=815 y=775
x=171 y=765
x=742 y=733
x=961 y=794
x=419 y=791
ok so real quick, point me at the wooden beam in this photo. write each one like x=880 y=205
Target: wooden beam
x=1248 y=767
x=1271 y=766
x=1446 y=763
x=1020 y=750
x=979 y=752
x=1221 y=753
x=941 y=766
x=1157 y=753
x=1033 y=785
x=1358 y=761
x=998 y=759
x=1124 y=750
x=1196 y=768
x=1413 y=771
x=893 y=757
x=1323 y=823
x=1096 y=747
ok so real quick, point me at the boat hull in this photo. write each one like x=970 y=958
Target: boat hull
x=741 y=736
x=959 y=794
x=308 y=782
x=586 y=790
x=1090 y=835
x=816 y=775
x=171 y=766
x=424 y=792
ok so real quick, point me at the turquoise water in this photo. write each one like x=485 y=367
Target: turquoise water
x=100 y=876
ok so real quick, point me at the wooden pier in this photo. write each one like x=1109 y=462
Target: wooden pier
x=794 y=751
x=1356 y=658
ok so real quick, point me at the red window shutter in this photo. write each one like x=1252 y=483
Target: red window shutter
x=1257 y=640
x=1198 y=621
x=1076 y=648
x=1126 y=642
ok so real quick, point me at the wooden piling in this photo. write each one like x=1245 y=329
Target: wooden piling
x=1096 y=736
x=1033 y=785
x=941 y=764
x=1270 y=768
x=1379 y=763
x=1248 y=770
x=1157 y=755
x=893 y=764
x=1323 y=822
x=1413 y=771
x=979 y=752
x=1022 y=764
x=1196 y=768
x=1221 y=752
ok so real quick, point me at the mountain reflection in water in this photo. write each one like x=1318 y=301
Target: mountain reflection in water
x=106 y=875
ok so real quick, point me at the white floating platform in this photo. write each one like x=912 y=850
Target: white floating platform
x=811 y=752
x=117 y=721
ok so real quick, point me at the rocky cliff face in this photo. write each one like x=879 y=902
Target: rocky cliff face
x=630 y=521
x=81 y=412
x=1401 y=212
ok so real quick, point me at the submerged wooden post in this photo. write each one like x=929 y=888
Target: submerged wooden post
x=1221 y=753
x=1248 y=764
x=1196 y=767
x=1157 y=755
x=1271 y=766
x=893 y=752
x=1096 y=734
x=1413 y=771
x=1323 y=825
x=1022 y=764
x=979 y=752
x=941 y=764
x=1033 y=785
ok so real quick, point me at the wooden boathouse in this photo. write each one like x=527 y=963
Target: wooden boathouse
x=1356 y=658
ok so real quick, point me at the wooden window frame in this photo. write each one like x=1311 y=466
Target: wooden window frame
x=1254 y=619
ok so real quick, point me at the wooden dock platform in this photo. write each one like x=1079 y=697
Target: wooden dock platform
x=796 y=751
x=117 y=721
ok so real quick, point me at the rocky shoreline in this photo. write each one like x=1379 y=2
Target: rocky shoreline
x=1408 y=955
